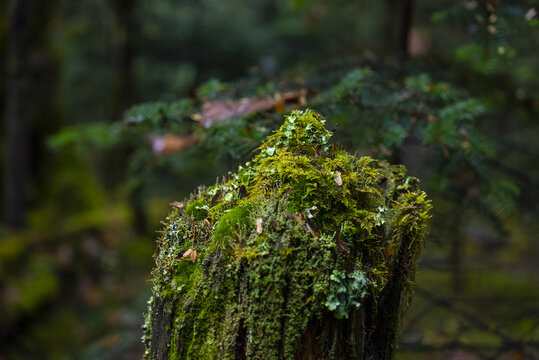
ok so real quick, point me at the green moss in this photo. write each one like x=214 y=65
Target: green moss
x=230 y=224
x=197 y=209
x=304 y=229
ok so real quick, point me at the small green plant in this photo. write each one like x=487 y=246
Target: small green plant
x=346 y=292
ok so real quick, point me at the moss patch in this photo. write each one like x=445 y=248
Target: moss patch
x=302 y=231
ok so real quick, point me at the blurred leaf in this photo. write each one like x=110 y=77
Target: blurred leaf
x=170 y=144
x=218 y=110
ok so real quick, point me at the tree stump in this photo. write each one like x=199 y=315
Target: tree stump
x=307 y=252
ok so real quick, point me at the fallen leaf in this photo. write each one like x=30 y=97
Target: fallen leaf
x=343 y=246
x=193 y=256
x=464 y=133
x=187 y=253
x=259 y=226
x=170 y=144
x=218 y=110
x=279 y=104
x=177 y=204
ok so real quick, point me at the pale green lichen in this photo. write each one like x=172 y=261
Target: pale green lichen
x=303 y=229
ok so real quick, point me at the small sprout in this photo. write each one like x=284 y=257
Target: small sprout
x=192 y=254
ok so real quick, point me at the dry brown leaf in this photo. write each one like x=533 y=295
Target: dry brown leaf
x=279 y=104
x=187 y=253
x=193 y=256
x=218 y=110
x=343 y=246
x=170 y=144
x=177 y=204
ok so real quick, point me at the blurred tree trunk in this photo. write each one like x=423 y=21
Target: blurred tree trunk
x=398 y=16
x=29 y=111
x=390 y=19
x=406 y=25
x=125 y=94
x=124 y=11
x=16 y=115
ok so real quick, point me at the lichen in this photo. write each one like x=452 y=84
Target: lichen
x=302 y=230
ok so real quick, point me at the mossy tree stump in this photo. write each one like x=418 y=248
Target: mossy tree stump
x=307 y=252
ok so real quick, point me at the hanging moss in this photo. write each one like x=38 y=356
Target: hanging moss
x=301 y=246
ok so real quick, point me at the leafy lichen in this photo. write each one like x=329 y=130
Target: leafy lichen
x=303 y=230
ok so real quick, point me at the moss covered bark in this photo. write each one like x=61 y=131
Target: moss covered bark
x=307 y=252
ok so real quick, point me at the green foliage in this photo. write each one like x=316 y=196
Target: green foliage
x=346 y=292
x=420 y=111
x=302 y=132
x=494 y=33
x=98 y=135
x=197 y=209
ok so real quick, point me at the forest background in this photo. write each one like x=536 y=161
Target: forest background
x=112 y=110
